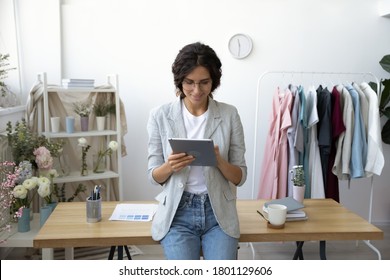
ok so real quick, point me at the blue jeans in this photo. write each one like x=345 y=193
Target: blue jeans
x=194 y=228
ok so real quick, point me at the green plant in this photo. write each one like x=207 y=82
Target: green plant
x=82 y=109
x=384 y=108
x=23 y=141
x=101 y=109
x=298 y=175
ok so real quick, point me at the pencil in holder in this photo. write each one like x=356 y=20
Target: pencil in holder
x=94 y=210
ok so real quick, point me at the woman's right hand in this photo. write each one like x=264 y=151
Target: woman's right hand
x=178 y=161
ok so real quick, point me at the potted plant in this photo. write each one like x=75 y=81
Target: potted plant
x=83 y=110
x=384 y=108
x=298 y=179
x=101 y=110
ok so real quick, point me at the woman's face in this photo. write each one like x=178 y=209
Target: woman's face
x=197 y=87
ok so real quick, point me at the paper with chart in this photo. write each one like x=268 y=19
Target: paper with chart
x=134 y=212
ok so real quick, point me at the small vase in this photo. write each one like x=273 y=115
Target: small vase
x=60 y=164
x=84 y=165
x=84 y=123
x=24 y=220
x=100 y=123
x=299 y=193
x=44 y=214
x=52 y=205
x=99 y=164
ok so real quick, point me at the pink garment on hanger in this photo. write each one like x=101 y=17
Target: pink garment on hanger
x=274 y=172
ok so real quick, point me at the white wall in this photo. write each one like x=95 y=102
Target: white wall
x=139 y=40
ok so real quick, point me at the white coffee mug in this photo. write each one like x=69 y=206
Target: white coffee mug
x=277 y=214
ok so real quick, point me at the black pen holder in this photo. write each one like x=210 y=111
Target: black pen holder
x=94 y=210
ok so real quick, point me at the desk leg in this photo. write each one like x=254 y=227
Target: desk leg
x=120 y=252
x=69 y=253
x=47 y=254
x=298 y=252
x=323 y=250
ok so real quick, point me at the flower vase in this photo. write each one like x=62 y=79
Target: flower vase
x=24 y=220
x=100 y=123
x=84 y=123
x=99 y=164
x=44 y=214
x=52 y=205
x=84 y=166
x=60 y=164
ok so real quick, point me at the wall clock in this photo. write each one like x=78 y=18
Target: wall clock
x=240 y=45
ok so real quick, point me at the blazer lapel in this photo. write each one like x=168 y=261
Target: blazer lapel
x=213 y=120
x=176 y=121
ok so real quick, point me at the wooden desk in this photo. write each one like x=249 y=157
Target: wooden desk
x=327 y=220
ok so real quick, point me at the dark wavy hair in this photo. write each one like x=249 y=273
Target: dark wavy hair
x=191 y=56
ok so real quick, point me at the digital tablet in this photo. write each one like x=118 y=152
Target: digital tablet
x=201 y=149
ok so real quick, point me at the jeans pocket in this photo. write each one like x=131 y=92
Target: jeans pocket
x=184 y=202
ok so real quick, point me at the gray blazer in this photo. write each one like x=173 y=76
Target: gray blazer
x=225 y=128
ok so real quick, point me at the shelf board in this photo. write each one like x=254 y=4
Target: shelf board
x=64 y=134
x=76 y=177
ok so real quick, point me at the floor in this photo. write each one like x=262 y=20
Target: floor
x=335 y=250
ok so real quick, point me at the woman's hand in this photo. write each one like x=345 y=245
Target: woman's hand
x=178 y=161
x=231 y=172
x=175 y=163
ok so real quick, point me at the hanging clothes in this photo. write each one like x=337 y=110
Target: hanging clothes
x=312 y=158
x=359 y=142
x=341 y=167
x=294 y=136
x=332 y=182
x=375 y=158
x=324 y=108
x=274 y=173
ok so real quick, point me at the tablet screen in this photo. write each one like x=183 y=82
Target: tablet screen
x=201 y=149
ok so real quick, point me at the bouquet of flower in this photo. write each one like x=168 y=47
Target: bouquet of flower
x=43 y=158
x=82 y=109
x=46 y=186
x=84 y=149
x=9 y=174
x=112 y=147
x=24 y=193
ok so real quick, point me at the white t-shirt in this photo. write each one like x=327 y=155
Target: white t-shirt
x=195 y=127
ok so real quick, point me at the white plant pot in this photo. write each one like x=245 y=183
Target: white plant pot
x=299 y=193
x=100 y=123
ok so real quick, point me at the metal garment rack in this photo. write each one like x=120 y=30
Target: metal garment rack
x=312 y=74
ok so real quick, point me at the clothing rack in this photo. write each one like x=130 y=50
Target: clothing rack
x=313 y=74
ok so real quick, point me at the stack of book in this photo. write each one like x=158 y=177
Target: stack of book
x=294 y=209
x=78 y=83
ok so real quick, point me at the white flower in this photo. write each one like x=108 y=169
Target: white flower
x=113 y=145
x=20 y=192
x=53 y=173
x=43 y=181
x=44 y=187
x=30 y=184
x=83 y=142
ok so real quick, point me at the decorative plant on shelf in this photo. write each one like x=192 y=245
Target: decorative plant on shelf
x=384 y=108
x=82 y=109
x=112 y=147
x=102 y=109
x=82 y=142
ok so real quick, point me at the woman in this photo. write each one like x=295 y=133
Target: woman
x=197 y=207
